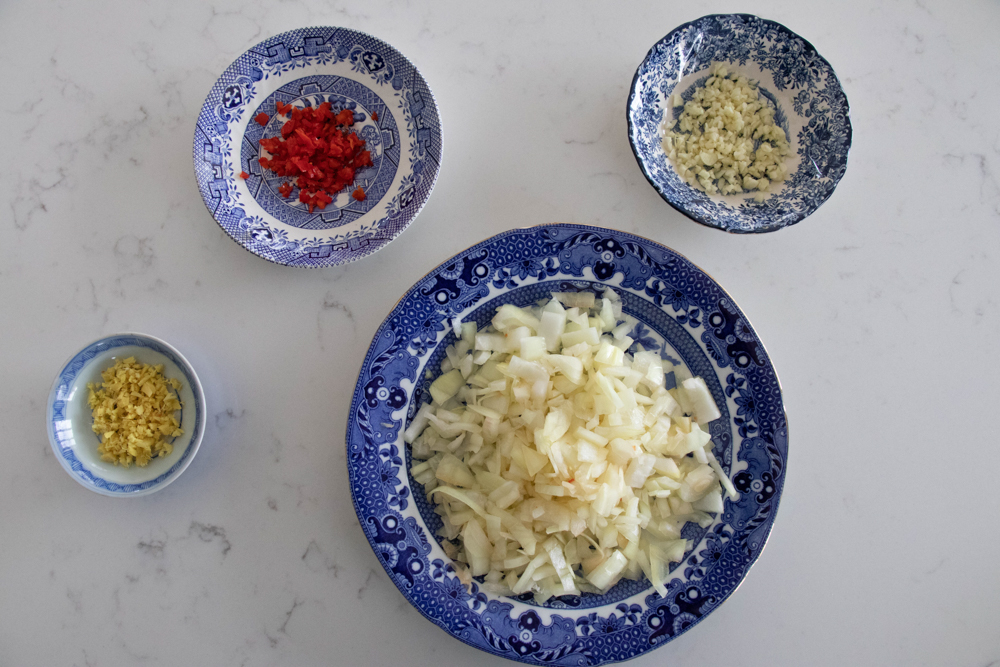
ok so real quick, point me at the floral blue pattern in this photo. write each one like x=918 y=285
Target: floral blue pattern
x=810 y=106
x=394 y=111
x=521 y=266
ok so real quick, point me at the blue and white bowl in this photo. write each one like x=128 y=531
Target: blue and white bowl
x=798 y=82
x=69 y=418
x=675 y=308
x=394 y=113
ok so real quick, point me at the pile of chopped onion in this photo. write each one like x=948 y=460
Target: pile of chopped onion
x=558 y=462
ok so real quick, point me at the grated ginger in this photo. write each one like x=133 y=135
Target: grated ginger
x=711 y=144
x=133 y=412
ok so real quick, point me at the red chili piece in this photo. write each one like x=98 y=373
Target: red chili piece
x=375 y=115
x=262 y=118
x=244 y=175
x=318 y=151
x=358 y=194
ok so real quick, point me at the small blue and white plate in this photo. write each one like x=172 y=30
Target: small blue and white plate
x=675 y=309
x=797 y=82
x=394 y=113
x=70 y=420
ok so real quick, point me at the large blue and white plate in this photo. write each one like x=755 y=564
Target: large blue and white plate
x=795 y=80
x=394 y=113
x=69 y=418
x=675 y=308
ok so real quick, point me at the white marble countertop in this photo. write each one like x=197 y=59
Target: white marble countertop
x=877 y=312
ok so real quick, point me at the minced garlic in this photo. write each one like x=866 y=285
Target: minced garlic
x=711 y=144
x=134 y=412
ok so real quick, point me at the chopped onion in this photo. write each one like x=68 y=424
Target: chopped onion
x=704 y=407
x=559 y=462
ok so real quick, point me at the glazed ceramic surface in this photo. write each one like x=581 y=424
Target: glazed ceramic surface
x=675 y=309
x=394 y=112
x=70 y=420
x=794 y=80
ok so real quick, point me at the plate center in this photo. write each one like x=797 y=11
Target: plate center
x=373 y=122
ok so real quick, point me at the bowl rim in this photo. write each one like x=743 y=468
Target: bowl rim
x=415 y=211
x=196 y=438
x=404 y=476
x=704 y=220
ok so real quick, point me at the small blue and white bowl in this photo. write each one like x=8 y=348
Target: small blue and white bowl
x=69 y=418
x=394 y=112
x=799 y=84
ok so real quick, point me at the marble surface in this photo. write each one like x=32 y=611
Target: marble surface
x=877 y=311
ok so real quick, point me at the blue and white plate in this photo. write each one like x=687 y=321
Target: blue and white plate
x=70 y=420
x=798 y=82
x=675 y=308
x=394 y=113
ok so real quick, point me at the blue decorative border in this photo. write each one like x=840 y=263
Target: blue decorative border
x=666 y=293
x=806 y=88
x=64 y=446
x=278 y=61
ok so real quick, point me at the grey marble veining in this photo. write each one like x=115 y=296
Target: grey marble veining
x=878 y=312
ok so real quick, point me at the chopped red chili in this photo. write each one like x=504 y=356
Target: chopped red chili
x=244 y=175
x=262 y=118
x=318 y=151
x=358 y=194
x=374 y=115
